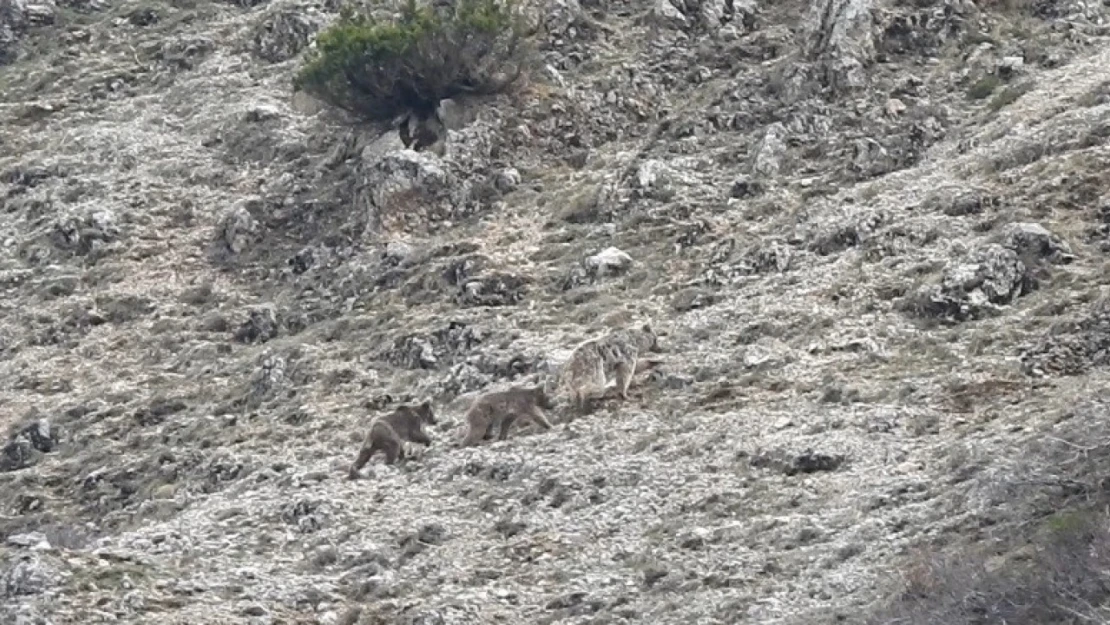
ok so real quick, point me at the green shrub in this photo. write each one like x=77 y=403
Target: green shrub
x=1009 y=95
x=378 y=69
x=983 y=87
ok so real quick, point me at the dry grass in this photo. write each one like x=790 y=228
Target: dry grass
x=1009 y=95
x=1049 y=558
x=1056 y=576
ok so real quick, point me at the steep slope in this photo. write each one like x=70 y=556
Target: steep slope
x=874 y=232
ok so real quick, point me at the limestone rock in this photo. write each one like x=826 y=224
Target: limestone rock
x=609 y=261
x=1034 y=241
x=84 y=234
x=507 y=179
x=989 y=278
x=283 y=34
x=261 y=325
x=839 y=37
x=27 y=576
x=406 y=190
x=771 y=152
x=16 y=16
x=239 y=228
x=708 y=15
x=665 y=13
x=1071 y=348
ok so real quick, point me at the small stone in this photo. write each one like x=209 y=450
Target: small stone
x=325 y=556
x=1010 y=65
x=609 y=261
x=653 y=574
x=666 y=14
x=1036 y=241
x=397 y=252
x=895 y=107
x=695 y=538
x=507 y=180
x=744 y=186
x=144 y=16
x=32 y=540
x=771 y=151
x=261 y=326
x=239 y=227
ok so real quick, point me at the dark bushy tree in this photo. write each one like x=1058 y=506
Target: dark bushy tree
x=379 y=69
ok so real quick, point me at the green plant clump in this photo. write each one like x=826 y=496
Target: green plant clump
x=378 y=69
x=983 y=87
x=1008 y=96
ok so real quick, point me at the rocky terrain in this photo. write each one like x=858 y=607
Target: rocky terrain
x=875 y=232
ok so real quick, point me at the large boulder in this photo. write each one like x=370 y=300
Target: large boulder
x=406 y=190
x=990 y=278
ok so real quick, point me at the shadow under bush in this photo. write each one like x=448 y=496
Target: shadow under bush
x=379 y=69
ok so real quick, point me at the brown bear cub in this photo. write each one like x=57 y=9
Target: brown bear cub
x=501 y=409
x=387 y=434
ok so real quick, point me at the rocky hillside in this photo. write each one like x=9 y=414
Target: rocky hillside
x=875 y=232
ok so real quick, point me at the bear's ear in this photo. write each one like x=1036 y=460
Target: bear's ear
x=425 y=409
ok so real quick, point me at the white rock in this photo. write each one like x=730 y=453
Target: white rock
x=1011 y=63
x=34 y=540
x=609 y=261
x=666 y=14
x=772 y=147
x=398 y=250
x=239 y=226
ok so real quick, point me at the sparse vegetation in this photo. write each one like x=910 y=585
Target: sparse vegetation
x=377 y=69
x=1009 y=95
x=1049 y=565
x=881 y=308
x=983 y=87
x=1055 y=576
